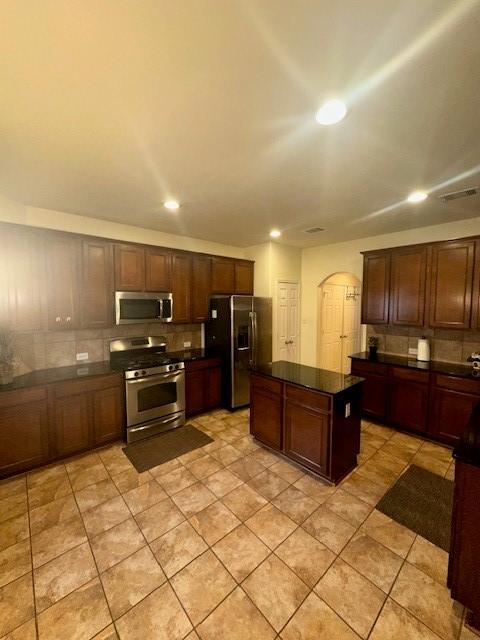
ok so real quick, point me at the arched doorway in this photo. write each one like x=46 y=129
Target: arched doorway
x=338 y=330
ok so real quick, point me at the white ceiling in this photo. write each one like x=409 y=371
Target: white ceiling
x=109 y=107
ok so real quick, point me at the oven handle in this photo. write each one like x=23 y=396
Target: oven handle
x=157 y=375
x=149 y=426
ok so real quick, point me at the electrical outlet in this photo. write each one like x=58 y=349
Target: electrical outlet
x=347 y=410
x=82 y=356
x=412 y=351
x=187 y=345
x=214 y=314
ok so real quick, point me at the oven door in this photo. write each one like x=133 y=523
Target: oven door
x=155 y=396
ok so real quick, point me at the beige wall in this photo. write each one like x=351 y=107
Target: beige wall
x=320 y=262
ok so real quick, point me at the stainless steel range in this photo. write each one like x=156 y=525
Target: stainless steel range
x=154 y=385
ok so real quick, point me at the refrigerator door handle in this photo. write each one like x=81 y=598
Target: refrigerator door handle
x=253 y=340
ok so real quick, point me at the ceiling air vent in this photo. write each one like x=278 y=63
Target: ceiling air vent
x=455 y=195
x=314 y=230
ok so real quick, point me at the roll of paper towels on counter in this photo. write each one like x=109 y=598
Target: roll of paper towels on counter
x=423 y=350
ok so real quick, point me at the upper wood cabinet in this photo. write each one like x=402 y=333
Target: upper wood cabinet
x=22 y=278
x=181 y=287
x=450 y=301
x=129 y=267
x=244 y=277
x=223 y=275
x=63 y=264
x=96 y=285
x=201 y=287
x=408 y=282
x=158 y=267
x=376 y=287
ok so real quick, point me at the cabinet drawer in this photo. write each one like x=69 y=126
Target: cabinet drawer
x=197 y=365
x=362 y=366
x=22 y=396
x=464 y=385
x=267 y=384
x=411 y=375
x=87 y=385
x=307 y=398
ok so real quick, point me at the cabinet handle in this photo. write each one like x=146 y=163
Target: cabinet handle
x=58 y=319
x=68 y=318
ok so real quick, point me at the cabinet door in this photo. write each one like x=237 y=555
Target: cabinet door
x=108 y=418
x=266 y=413
x=23 y=271
x=223 y=275
x=24 y=430
x=158 y=268
x=244 y=277
x=307 y=436
x=451 y=286
x=213 y=388
x=374 y=393
x=407 y=293
x=71 y=424
x=181 y=287
x=408 y=405
x=63 y=258
x=201 y=287
x=376 y=288
x=451 y=412
x=129 y=267
x=97 y=284
x=194 y=392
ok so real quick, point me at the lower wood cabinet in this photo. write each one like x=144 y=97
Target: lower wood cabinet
x=23 y=429
x=41 y=424
x=307 y=436
x=202 y=385
x=407 y=404
x=375 y=388
x=266 y=411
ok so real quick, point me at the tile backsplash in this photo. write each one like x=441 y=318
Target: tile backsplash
x=445 y=345
x=44 y=350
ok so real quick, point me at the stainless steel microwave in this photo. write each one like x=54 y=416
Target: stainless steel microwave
x=138 y=307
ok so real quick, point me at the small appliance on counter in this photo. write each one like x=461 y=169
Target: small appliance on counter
x=423 y=350
x=154 y=385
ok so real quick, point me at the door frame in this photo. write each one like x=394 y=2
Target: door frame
x=275 y=316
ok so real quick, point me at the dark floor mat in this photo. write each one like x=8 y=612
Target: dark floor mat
x=149 y=453
x=422 y=501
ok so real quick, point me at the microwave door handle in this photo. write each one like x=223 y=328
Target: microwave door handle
x=160 y=308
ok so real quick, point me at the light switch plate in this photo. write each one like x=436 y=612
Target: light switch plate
x=82 y=356
x=412 y=351
x=187 y=345
x=347 y=410
x=214 y=314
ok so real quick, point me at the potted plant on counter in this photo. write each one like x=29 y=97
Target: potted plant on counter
x=373 y=347
x=7 y=360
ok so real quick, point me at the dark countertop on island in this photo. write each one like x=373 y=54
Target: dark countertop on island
x=308 y=377
x=447 y=368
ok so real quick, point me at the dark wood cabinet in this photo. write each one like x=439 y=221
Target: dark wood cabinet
x=266 y=411
x=63 y=268
x=71 y=424
x=408 y=286
x=181 y=287
x=407 y=404
x=201 y=288
x=307 y=430
x=223 y=275
x=158 y=269
x=107 y=414
x=22 y=279
x=24 y=430
x=452 y=402
x=129 y=267
x=202 y=385
x=450 y=302
x=375 y=388
x=96 y=285
x=244 y=277
x=376 y=288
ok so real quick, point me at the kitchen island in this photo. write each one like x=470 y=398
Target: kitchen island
x=311 y=416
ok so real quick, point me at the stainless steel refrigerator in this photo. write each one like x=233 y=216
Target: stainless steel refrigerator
x=240 y=331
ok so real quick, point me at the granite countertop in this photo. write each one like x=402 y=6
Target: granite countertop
x=447 y=368
x=62 y=374
x=308 y=377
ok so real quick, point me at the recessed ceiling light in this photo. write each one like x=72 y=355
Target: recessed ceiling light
x=275 y=233
x=171 y=204
x=331 y=112
x=417 y=196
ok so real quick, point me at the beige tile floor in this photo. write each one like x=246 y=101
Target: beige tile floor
x=228 y=541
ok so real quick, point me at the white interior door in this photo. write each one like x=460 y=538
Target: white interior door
x=339 y=328
x=287 y=321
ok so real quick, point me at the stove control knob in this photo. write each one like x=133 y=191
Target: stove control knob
x=136 y=374
x=170 y=367
x=144 y=373
x=177 y=366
